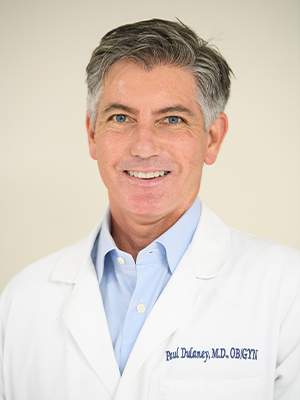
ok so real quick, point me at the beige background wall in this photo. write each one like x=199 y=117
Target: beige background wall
x=51 y=194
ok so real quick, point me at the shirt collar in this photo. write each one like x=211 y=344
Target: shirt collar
x=104 y=243
x=177 y=239
x=174 y=241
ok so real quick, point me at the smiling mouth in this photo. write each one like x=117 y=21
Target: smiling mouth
x=147 y=175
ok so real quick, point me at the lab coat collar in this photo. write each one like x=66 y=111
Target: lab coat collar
x=74 y=258
x=211 y=245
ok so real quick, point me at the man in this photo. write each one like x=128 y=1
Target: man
x=162 y=300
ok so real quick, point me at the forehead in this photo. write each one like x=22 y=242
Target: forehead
x=127 y=80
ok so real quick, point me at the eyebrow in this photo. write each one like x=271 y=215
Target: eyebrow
x=118 y=106
x=176 y=108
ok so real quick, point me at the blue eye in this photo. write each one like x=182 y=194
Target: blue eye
x=173 y=120
x=120 y=118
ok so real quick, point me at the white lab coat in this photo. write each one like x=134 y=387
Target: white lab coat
x=225 y=327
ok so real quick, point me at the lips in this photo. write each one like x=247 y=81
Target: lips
x=147 y=175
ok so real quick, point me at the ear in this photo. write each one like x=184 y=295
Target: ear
x=216 y=135
x=91 y=136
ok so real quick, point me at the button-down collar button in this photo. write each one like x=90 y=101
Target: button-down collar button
x=121 y=260
x=151 y=251
x=140 y=308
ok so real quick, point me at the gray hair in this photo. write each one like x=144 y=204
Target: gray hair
x=160 y=42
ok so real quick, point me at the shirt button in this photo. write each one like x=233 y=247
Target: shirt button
x=120 y=260
x=140 y=308
x=151 y=252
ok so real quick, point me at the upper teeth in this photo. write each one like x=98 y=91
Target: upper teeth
x=147 y=175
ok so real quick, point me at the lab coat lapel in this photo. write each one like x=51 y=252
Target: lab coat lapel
x=204 y=259
x=84 y=313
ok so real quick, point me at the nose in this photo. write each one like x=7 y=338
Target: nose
x=145 y=142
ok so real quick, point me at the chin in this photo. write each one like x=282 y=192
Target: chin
x=148 y=208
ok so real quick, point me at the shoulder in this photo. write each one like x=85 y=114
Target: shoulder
x=249 y=247
x=41 y=279
x=247 y=258
x=32 y=282
x=271 y=269
x=218 y=240
x=256 y=250
x=274 y=264
x=39 y=270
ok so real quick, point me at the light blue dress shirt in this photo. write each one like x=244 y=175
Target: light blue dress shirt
x=129 y=290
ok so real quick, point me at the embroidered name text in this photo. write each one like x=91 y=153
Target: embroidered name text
x=215 y=353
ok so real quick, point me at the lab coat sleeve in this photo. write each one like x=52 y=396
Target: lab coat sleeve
x=287 y=379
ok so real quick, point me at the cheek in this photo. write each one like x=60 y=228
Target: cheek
x=191 y=154
x=110 y=151
x=103 y=156
x=110 y=143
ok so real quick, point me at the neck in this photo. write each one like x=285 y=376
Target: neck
x=133 y=233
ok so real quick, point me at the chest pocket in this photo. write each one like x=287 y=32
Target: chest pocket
x=240 y=389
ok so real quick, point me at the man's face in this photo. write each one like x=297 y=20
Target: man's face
x=149 y=141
